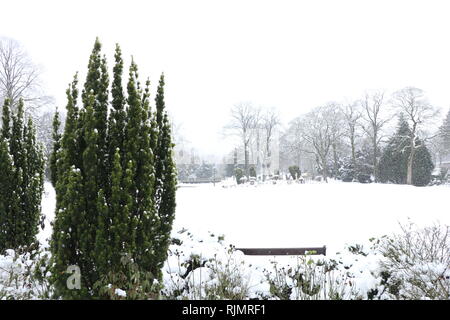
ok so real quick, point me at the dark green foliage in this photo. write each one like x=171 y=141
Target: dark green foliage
x=422 y=166
x=165 y=177
x=117 y=116
x=6 y=120
x=108 y=206
x=394 y=160
x=56 y=146
x=239 y=174
x=8 y=202
x=295 y=172
x=96 y=84
x=22 y=183
x=252 y=172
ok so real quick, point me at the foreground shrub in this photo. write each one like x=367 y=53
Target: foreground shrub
x=417 y=262
x=311 y=280
x=413 y=264
x=24 y=276
x=205 y=269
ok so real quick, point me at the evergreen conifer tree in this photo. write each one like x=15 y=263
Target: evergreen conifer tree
x=117 y=117
x=423 y=165
x=56 y=146
x=6 y=120
x=22 y=183
x=394 y=161
x=105 y=183
x=165 y=175
x=7 y=199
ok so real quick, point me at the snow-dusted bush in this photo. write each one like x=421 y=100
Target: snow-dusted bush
x=311 y=279
x=24 y=275
x=205 y=268
x=416 y=263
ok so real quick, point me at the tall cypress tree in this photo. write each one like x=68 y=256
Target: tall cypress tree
x=8 y=200
x=6 y=120
x=67 y=233
x=70 y=203
x=33 y=182
x=92 y=190
x=165 y=175
x=139 y=159
x=117 y=117
x=56 y=135
x=21 y=186
x=97 y=82
x=110 y=170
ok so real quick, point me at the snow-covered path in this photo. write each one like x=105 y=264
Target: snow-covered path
x=48 y=209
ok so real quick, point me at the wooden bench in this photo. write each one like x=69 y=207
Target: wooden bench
x=283 y=251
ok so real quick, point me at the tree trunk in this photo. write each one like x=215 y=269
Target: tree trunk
x=352 y=144
x=324 y=169
x=375 y=164
x=335 y=160
x=246 y=160
x=409 y=173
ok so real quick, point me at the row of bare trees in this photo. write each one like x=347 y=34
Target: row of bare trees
x=256 y=129
x=330 y=132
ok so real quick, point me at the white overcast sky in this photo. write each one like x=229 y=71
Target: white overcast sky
x=293 y=55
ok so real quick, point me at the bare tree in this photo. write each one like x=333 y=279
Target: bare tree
x=375 y=119
x=19 y=77
x=269 y=122
x=352 y=114
x=417 y=110
x=293 y=143
x=337 y=122
x=244 y=119
x=319 y=129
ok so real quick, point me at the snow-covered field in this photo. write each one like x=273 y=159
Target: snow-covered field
x=307 y=215
x=298 y=215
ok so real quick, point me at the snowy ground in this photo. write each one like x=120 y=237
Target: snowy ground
x=298 y=215
x=311 y=214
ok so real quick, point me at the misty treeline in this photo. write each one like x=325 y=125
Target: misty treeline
x=397 y=138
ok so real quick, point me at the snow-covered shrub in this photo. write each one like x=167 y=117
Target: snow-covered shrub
x=239 y=174
x=24 y=276
x=313 y=278
x=416 y=263
x=205 y=268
